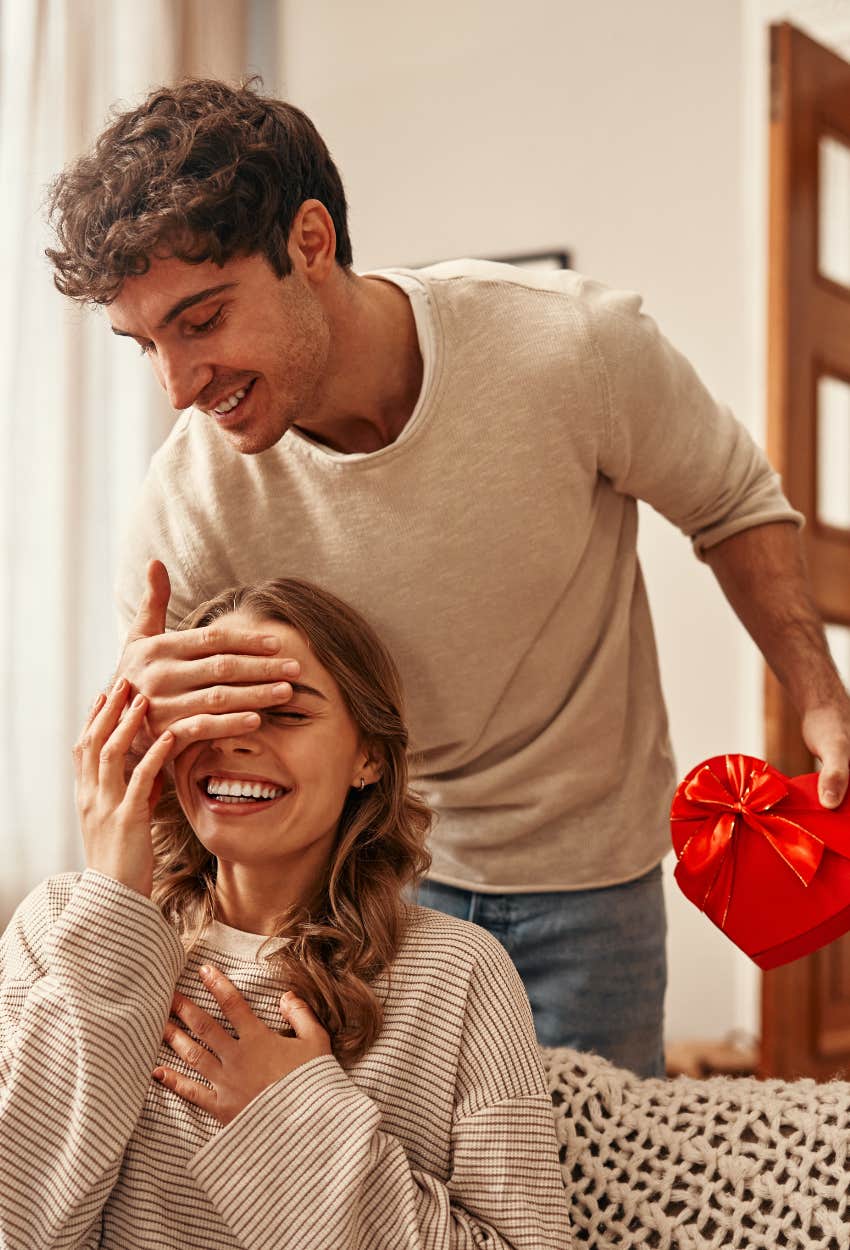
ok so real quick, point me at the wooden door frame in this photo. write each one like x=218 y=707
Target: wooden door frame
x=808 y=335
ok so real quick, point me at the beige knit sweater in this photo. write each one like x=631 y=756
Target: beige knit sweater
x=492 y=546
x=441 y=1136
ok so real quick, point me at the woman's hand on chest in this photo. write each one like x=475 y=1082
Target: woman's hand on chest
x=238 y=1068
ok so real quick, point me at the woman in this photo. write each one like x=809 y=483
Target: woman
x=159 y=1088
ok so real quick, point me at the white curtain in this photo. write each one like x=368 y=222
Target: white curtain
x=81 y=414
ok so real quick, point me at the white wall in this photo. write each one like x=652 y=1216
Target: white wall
x=623 y=132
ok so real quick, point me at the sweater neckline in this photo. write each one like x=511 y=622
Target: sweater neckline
x=243 y=945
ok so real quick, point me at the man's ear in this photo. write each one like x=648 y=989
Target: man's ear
x=312 y=242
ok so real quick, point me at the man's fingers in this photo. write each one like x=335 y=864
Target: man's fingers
x=207 y=728
x=151 y=614
x=832 y=782
x=826 y=732
x=219 y=711
x=223 y=700
x=171 y=677
x=223 y=669
x=215 y=639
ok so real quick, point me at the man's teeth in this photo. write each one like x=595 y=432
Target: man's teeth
x=233 y=791
x=229 y=404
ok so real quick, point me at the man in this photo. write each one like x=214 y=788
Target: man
x=456 y=451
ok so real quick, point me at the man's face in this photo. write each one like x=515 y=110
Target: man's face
x=236 y=341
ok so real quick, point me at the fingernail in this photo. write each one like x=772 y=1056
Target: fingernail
x=270 y=643
x=251 y=720
x=283 y=689
x=119 y=685
x=292 y=668
x=830 y=796
x=158 y=1074
x=205 y=971
x=139 y=700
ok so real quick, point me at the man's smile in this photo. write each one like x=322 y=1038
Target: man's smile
x=227 y=401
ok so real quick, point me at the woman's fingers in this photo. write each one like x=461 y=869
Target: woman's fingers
x=98 y=728
x=93 y=711
x=192 y=1091
x=78 y=751
x=141 y=785
x=302 y=1018
x=234 y=1007
x=197 y=1056
x=205 y=1028
x=113 y=753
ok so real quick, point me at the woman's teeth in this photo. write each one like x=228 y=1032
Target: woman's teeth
x=241 y=791
x=229 y=404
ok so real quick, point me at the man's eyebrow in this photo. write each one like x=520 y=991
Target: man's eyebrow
x=299 y=688
x=187 y=302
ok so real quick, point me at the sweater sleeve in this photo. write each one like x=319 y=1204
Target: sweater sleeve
x=84 y=996
x=161 y=527
x=307 y=1163
x=666 y=440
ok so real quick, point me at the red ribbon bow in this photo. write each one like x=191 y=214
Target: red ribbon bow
x=744 y=801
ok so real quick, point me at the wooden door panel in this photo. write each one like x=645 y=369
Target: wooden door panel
x=805 y=1005
x=832 y=1002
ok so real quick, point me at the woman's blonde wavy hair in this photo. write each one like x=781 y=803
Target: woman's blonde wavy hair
x=352 y=930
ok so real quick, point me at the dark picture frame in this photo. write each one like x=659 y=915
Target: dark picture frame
x=554 y=258
x=536 y=260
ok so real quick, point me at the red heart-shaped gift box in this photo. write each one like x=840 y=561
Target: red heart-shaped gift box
x=760 y=856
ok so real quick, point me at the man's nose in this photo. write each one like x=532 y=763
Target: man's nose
x=243 y=743
x=182 y=378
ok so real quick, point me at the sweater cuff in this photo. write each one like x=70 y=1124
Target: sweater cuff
x=291 y=1129
x=705 y=539
x=116 y=940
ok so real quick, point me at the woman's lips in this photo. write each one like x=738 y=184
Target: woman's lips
x=245 y=808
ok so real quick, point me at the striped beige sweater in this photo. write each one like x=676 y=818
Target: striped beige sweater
x=441 y=1136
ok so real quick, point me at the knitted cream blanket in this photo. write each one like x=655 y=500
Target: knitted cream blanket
x=724 y=1163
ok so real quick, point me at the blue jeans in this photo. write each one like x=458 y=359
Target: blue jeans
x=593 y=962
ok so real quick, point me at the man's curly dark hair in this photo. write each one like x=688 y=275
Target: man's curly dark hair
x=199 y=171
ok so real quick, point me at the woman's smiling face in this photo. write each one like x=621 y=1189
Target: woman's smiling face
x=300 y=764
